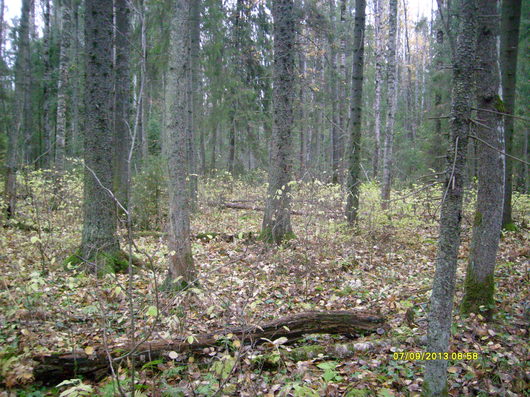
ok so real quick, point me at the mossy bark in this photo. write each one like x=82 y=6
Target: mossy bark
x=478 y=293
x=103 y=262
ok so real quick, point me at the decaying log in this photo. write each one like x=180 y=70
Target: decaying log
x=55 y=367
x=239 y=206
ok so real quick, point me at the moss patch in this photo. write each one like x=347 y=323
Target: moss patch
x=117 y=262
x=478 y=295
x=268 y=236
x=510 y=227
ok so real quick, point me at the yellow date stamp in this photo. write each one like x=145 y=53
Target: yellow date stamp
x=427 y=356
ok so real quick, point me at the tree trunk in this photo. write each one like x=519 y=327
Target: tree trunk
x=441 y=304
x=195 y=43
x=122 y=100
x=511 y=16
x=15 y=131
x=143 y=78
x=181 y=267
x=55 y=367
x=74 y=146
x=354 y=169
x=276 y=220
x=479 y=284
x=391 y=103
x=62 y=85
x=47 y=87
x=333 y=94
x=99 y=241
x=379 y=63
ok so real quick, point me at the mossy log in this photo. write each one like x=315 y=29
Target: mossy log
x=54 y=367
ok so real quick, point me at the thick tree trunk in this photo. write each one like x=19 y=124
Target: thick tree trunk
x=441 y=304
x=99 y=239
x=379 y=64
x=479 y=284
x=181 y=267
x=55 y=367
x=74 y=146
x=122 y=100
x=62 y=85
x=276 y=220
x=194 y=101
x=354 y=167
x=511 y=16
x=391 y=103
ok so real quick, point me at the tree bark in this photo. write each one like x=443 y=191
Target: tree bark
x=354 y=169
x=99 y=240
x=333 y=95
x=379 y=64
x=479 y=284
x=276 y=225
x=181 y=267
x=441 y=304
x=511 y=16
x=391 y=104
x=122 y=99
x=47 y=157
x=62 y=84
x=55 y=367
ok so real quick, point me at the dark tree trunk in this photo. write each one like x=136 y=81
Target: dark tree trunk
x=99 y=241
x=511 y=16
x=276 y=225
x=354 y=169
x=441 y=304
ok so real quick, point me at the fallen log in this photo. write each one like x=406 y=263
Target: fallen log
x=50 y=368
x=239 y=206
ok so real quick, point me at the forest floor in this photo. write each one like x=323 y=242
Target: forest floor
x=384 y=266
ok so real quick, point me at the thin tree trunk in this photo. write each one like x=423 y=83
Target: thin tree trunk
x=379 y=63
x=343 y=85
x=60 y=140
x=354 y=169
x=181 y=267
x=143 y=78
x=195 y=43
x=47 y=87
x=333 y=93
x=74 y=146
x=391 y=104
x=479 y=284
x=441 y=304
x=511 y=16
x=301 y=111
x=99 y=240
x=276 y=220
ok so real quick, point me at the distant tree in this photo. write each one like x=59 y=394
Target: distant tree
x=441 y=304
x=354 y=169
x=99 y=242
x=22 y=97
x=391 y=102
x=510 y=20
x=62 y=85
x=379 y=79
x=479 y=284
x=181 y=266
x=276 y=225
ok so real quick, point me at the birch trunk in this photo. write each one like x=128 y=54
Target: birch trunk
x=479 y=284
x=181 y=267
x=391 y=103
x=441 y=304
x=354 y=169
x=277 y=221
